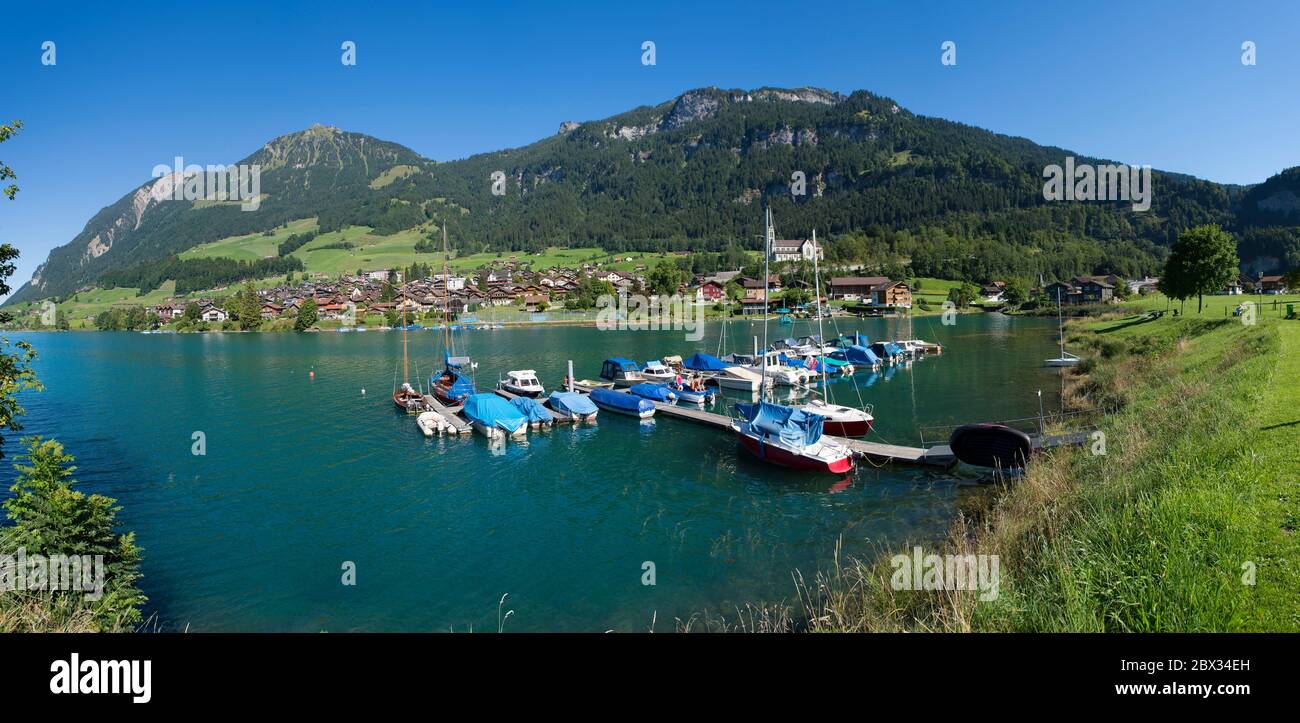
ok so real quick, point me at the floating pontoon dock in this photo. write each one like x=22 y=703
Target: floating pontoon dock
x=934 y=457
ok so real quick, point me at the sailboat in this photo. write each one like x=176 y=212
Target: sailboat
x=782 y=435
x=405 y=397
x=452 y=387
x=840 y=420
x=1066 y=359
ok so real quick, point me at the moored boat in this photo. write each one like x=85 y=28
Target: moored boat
x=575 y=406
x=452 y=387
x=692 y=393
x=654 y=392
x=657 y=371
x=623 y=403
x=522 y=382
x=789 y=437
x=431 y=423
x=839 y=420
x=622 y=372
x=494 y=417
x=538 y=415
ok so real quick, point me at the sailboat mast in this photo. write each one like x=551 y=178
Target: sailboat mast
x=446 y=291
x=817 y=296
x=406 y=372
x=767 y=305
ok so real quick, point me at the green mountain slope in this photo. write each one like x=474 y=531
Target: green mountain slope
x=691 y=173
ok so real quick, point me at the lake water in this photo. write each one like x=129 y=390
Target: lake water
x=301 y=474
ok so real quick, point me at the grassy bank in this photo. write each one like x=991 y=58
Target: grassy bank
x=1185 y=523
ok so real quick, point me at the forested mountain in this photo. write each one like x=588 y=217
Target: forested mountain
x=691 y=173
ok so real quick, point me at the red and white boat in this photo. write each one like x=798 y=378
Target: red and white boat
x=839 y=420
x=790 y=437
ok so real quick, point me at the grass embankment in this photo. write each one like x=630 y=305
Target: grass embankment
x=1195 y=498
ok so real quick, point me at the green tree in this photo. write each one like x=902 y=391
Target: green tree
x=50 y=517
x=250 y=308
x=1016 y=292
x=192 y=312
x=1202 y=260
x=665 y=277
x=963 y=295
x=306 y=315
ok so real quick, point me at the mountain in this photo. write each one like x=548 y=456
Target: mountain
x=690 y=174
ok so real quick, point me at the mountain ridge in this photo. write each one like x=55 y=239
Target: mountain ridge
x=683 y=173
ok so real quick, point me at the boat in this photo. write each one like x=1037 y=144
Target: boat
x=657 y=371
x=991 y=445
x=537 y=414
x=622 y=372
x=841 y=421
x=1066 y=359
x=789 y=437
x=575 y=406
x=405 y=396
x=653 y=392
x=431 y=423
x=522 y=382
x=691 y=395
x=738 y=378
x=452 y=387
x=859 y=356
x=493 y=417
x=586 y=385
x=921 y=346
x=782 y=435
x=837 y=419
x=623 y=403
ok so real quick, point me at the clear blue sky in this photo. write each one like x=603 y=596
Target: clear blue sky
x=1146 y=83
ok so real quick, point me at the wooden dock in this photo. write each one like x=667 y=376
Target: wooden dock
x=461 y=426
x=879 y=453
x=556 y=417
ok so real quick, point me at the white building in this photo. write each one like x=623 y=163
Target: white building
x=794 y=250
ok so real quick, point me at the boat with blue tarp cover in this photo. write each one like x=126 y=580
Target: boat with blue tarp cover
x=452 y=387
x=705 y=363
x=575 y=406
x=789 y=437
x=494 y=417
x=623 y=403
x=532 y=409
x=860 y=356
x=654 y=392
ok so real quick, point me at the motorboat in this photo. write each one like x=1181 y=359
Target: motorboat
x=431 y=423
x=654 y=392
x=522 y=382
x=538 y=415
x=692 y=394
x=657 y=371
x=622 y=372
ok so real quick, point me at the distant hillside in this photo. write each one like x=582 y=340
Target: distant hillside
x=691 y=173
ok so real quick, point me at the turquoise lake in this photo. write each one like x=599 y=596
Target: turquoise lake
x=302 y=473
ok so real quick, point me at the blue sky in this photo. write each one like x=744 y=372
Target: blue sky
x=1146 y=83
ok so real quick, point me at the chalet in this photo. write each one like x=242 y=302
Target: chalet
x=896 y=294
x=536 y=302
x=794 y=250
x=1094 y=289
x=169 y=312
x=1271 y=284
x=711 y=291
x=855 y=287
x=270 y=310
x=213 y=313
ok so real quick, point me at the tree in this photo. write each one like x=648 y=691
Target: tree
x=963 y=295
x=192 y=312
x=61 y=321
x=1202 y=260
x=666 y=277
x=250 y=308
x=306 y=315
x=1015 y=292
x=50 y=517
